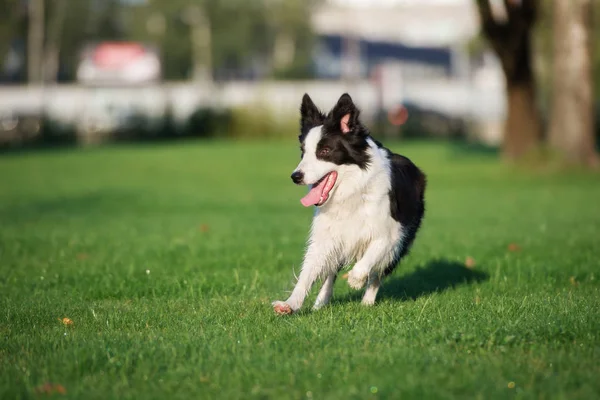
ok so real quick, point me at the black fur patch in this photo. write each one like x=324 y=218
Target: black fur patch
x=407 y=200
x=336 y=146
x=310 y=116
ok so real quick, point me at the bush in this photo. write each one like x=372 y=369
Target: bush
x=25 y=131
x=260 y=123
x=208 y=123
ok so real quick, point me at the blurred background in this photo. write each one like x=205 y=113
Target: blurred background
x=518 y=75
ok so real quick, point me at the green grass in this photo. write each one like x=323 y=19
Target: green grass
x=167 y=258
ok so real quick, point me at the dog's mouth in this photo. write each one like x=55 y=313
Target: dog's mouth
x=319 y=192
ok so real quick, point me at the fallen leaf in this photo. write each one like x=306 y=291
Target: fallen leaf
x=45 y=388
x=49 y=388
x=573 y=281
x=204 y=228
x=470 y=262
x=514 y=247
x=60 y=389
x=67 y=321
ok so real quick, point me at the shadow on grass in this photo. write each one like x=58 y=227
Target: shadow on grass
x=435 y=276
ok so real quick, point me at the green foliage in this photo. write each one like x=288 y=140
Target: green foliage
x=260 y=123
x=166 y=260
x=174 y=43
x=12 y=17
x=86 y=23
x=242 y=33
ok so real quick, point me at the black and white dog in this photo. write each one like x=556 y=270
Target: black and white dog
x=369 y=204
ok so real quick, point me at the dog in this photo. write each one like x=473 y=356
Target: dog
x=369 y=204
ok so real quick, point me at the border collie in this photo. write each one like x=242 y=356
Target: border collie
x=369 y=204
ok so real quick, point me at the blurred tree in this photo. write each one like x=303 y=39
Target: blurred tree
x=61 y=30
x=291 y=36
x=246 y=38
x=596 y=47
x=55 y=24
x=84 y=22
x=35 y=40
x=243 y=39
x=542 y=51
x=162 y=23
x=240 y=35
x=572 y=122
x=107 y=20
x=10 y=14
x=76 y=31
x=13 y=25
x=508 y=29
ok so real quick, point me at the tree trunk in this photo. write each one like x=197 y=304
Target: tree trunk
x=572 y=122
x=510 y=37
x=522 y=129
x=523 y=126
x=52 y=52
x=35 y=41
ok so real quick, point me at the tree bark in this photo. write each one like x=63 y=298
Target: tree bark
x=511 y=40
x=572 y=122
x=35 y=41
x=52 y=51
x=522 y=129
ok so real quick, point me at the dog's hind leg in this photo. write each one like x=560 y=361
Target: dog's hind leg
x=375 y=255
x=326 y=292
x=372 y=289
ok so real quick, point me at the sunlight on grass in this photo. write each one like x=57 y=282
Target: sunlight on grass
x=148 y=272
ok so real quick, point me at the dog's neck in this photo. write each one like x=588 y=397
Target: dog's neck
x=354 y=183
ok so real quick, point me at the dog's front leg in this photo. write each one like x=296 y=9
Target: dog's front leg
x=375 y=255
x=318 y=262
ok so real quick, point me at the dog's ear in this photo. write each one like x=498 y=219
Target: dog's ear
x=310 y=116
x=346 y=114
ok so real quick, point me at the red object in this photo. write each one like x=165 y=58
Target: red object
x=117 y=55
x=398 y=115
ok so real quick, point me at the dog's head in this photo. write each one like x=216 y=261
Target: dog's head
x=328 y=143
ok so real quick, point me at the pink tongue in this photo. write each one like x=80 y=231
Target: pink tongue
x=314 y=196
x=318 y=192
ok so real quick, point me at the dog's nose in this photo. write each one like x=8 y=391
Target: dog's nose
x=297 y=177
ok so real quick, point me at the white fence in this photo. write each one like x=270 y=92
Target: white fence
x=481 y=101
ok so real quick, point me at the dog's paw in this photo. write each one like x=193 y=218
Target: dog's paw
x=368 y=301
x=282 y=308
x=357 y=280
x=318 y=305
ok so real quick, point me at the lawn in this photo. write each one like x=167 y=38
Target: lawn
x=166 y=259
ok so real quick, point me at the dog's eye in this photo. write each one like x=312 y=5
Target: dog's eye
x=324 y=151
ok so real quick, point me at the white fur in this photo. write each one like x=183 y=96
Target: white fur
x=353 y=226
x=313 y=168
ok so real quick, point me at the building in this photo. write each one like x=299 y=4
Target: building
x=428 y=38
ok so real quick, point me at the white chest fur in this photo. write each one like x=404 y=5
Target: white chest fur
x=358 y=214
